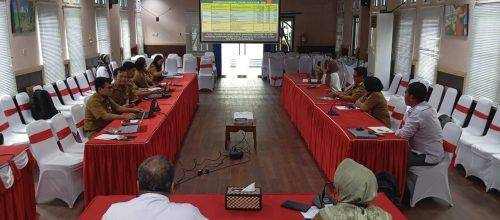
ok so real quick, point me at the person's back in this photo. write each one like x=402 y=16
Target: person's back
x=151 y=206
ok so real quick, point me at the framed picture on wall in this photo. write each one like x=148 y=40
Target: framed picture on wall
x=22 y=16
x=456 y=19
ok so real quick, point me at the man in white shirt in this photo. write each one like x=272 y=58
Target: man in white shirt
x=156 y=175
x=421 y=127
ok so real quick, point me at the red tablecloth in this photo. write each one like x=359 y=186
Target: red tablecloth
x=110 y=167
x=18 y=202
x=329 y=140
x=212 y=206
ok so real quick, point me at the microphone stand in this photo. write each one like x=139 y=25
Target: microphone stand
x=319 y=200
x=331 y=111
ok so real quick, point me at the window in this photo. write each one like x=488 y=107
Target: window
x=8 y=82
x=404 y=42
x=383 y=3
x=50 y=42
x=102 y=26
x=430 y=37
x=193 y=44
x=403 y=1
x=375 y=3
x=139 y=38
x=355 y=33
x=123 y=3
x=125 y=35
x=484 y=70
x=100 y=2
x=340 y=33
x=413 y=1
x=73 y=23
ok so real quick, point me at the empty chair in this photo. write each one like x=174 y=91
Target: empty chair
x=393 y=102
x=206 y=77
x=113 y=65
x=55 y=98
x=437 y=93
x=73 y=88
x=171 y=65
x=451 y=135
x=212 y=57
x=10 y=112
x=64 y=135
x=23 y=101
x=471 y=133
x=492 y=178
x=305 y=64
x=78 y=115
x=276 y=70
x=189 y=65
x=448 y=102
x=265 y=64
x=403 y=84
x=84 y=85
x=61 y=174
x=462 y=109
x=10 y=138
x=179 y=63
x=65 y=96
x=398 y=114
x=291 y=64
x=90 y=79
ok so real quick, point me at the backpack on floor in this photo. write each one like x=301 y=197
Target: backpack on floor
x=389 y=186
x=42 y=106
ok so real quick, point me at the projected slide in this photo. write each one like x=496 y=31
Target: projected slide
x=239 y=20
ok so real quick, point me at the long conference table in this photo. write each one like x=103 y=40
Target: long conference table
x=212 y=206
x=17 y=199
x=328 y=137
x=110 y=166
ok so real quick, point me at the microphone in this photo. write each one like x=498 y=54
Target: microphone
x=323 y=199
x=331 y=111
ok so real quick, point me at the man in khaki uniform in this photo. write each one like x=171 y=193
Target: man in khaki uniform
x=356 y=91
x=130 y=68
x=123 y=93
x=100 y=109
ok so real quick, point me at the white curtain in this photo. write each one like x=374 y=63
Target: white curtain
x=484 y=70
x=73 y=22
x=127 y=53
x=404 y=42
x=138 y=29
x=7 y=75
x=50 y=39
x=102 y=25
x=430 y=38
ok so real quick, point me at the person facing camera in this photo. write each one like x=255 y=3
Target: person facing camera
x=123 y=92
x=155 y=67
x=374 y=102
x=156 y=183
x=356 y=186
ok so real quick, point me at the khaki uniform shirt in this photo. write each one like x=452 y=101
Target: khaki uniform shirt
x=156 y=73
x=143 y=79
x=357 y=91
x=123 y=94
x=95 y=109
x=377 y=106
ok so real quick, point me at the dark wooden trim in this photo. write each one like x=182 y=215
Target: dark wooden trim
x=165 y=49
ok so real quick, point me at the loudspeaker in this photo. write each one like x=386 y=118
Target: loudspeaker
x=365 y=3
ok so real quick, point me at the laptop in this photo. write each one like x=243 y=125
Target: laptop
x=130 y=128
x=148 y=114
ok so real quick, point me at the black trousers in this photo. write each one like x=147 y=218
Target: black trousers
x=415 y=159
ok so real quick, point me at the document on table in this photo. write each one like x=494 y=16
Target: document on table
x=381 y=130
x=344 y=107
x=310 y=213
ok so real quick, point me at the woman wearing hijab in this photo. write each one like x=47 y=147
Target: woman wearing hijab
x=155 y=67
x=357 y=187
x=103 y=67
x=374 y=101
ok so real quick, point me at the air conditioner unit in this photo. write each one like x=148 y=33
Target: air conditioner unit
x=380 y=47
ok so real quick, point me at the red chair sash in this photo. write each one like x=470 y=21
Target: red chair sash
x=205 y=66
x=403 y=84
x=398 y=116
x=63 y=133
x=4 y=126
x=74 y=91
x=462 y=109
x=494 y=127
x=91 y=83
x=41 y=136
x=53 y=94
x=79 y=124
x=24 y=107
x=64 y=92
x=450 y=148
x=10 y=112
x=86 y=89
x=480 y=115
x=402 y=124
x=391 y=108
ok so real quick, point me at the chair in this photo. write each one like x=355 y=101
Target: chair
x=334 y=82
x=462 y=109
x=23 y=101
x=90 y=79
x=435 y=98
x=483 y=148
x=305 y=64
x=171 y=65
x=318 y=58
x=64 y=135
x=291 y=64
x=492 y=179
x=10 y=112
x=78 y=115
x=93 y=71
x=179 y=63
x=37 y=87
x=73 y=88
x=10 y=138
x=348 y=75
x=189 y=65
x=212 y=57
x=403 y=84
x=276 y=70
x=55 y=98
x=265 y=64
x=84 y=85
x=393 y=102
x=451 y=135
x=398 y=114
x=63 y=90
x=113 y=65
x=430 y=181
x=206 y=77
x=448 y=102
x=61 y=174
x=471 y=133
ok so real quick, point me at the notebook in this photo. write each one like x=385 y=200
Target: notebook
x=361 y=133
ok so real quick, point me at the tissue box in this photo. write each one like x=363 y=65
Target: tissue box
x=238 y=200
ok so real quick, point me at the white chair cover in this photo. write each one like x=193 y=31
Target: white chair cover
x=23 y=101
x=348 y=76
x=90 y=79
x=61 y=174
x=10 y=113
x=276 y=70
x=403 y=84
x=483 y=148
x=63 y=90
x=74 y=90
x=448 y=102
x=78 y=115
x=492 y=178
x=37 y=87
x=437 y=93
x=399 y=112
x=212 y=56
x=291 y=64
x=461 y=109
x=10 y=138
x=190 y=65
x=265 y=64
x=6 y=176
x=64 y=135
x=84 y=85
x=305 y=64
x=206 y=77
x=93 y=71
x=171 y=65
x=430 y=181
x=103 y=72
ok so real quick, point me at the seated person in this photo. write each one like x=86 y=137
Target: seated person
x=142 y=77
x=123 y=93
x=100 y=109
x=373 y=101
x=356 y=91
x=155 y=68
x=103 y=67
x=328 y=74
x=156 y=176
x=421 y=127
x=357 y=187
x=130 y=68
